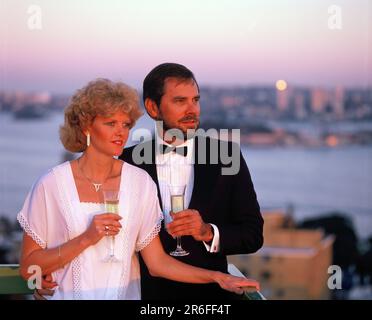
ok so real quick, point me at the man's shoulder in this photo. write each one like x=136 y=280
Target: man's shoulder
x=216 y=147
x=212 y=140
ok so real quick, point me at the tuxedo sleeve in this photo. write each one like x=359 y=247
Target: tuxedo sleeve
x=242 y=233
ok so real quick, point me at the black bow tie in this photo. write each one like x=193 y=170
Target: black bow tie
x=182 y=151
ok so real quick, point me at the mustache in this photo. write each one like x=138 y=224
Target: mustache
x=190 y=118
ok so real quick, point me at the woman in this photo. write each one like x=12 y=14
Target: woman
x=64 y=218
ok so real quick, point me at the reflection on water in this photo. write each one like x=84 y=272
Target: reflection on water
x=312 y=180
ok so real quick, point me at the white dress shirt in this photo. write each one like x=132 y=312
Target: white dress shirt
x=175 y=169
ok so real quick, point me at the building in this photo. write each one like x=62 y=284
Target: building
x=282 y=99
x=338 y=105
x=292 y=264
x=319 y=100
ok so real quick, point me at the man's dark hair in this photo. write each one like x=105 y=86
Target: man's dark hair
x=153 y=85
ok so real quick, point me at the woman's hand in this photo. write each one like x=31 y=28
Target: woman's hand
x=106 y=224
x=235 y=284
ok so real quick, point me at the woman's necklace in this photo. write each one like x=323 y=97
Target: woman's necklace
x=96 y=185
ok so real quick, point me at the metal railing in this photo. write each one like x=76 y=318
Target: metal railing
x=11 y=282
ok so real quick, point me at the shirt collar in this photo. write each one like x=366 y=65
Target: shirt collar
x=188 y=143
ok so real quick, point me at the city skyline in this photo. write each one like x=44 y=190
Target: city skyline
x=225 y=44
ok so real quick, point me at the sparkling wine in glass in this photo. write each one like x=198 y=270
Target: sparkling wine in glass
x=177 y=204
x=112 y=206
x=111 y=199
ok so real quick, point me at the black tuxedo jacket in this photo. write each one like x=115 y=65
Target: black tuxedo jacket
x=229 y=202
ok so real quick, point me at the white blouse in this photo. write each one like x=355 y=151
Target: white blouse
x=53 y=214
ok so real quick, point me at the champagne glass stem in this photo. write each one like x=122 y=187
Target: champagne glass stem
x=179 y=246
x=112 y=246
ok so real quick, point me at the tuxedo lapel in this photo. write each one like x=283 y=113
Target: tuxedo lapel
x=151 y=170
x=201 y=186
x=149 y=167
x=197 y=191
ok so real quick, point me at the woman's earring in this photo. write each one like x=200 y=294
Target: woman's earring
x=88 y=139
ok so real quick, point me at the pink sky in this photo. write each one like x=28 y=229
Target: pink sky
x=224 y=42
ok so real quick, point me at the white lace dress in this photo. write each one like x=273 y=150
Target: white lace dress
x=52 y=214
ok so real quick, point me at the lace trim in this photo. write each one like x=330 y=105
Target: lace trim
x=27 y=228
x=124 y=270
x=150 y=236
x=65 y=204
x=131 y=175
x=124 y=279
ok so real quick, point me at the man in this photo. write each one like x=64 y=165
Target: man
x=223 y=215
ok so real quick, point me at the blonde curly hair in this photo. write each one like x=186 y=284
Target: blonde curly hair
x=99 y=97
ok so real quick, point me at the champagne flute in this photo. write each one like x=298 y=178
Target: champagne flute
x=111 y=199
x=177 y=193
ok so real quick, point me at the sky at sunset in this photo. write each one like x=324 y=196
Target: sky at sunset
x=223 y=42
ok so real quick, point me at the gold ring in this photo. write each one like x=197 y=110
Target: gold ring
x=107 y=233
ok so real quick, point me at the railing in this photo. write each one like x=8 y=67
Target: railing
x=248 y=295
x=11 y=282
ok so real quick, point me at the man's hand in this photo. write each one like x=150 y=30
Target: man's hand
x=190 y=223
x=47 y=285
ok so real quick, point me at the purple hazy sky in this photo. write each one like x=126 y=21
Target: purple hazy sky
x=223 y=42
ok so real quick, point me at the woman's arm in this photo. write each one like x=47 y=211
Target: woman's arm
x=161 y=264
x=49 y=260
x=53 y=259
